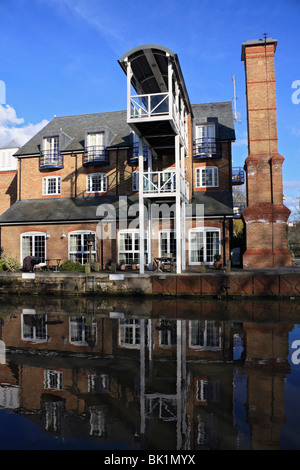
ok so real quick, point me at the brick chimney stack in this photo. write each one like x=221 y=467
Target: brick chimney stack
x=265 y=215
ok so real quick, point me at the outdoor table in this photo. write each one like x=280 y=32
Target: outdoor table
x=57 y=260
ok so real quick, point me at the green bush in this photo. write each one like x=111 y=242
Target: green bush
x=70 y=266
x=9 y=264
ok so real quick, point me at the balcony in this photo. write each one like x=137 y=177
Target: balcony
x=206 y=147
x=238 y=176
x=133 y=154
x=51 y=159
x=149 y=106
x=163 y=183
x=95 y=155
x=238 y=208
x=158 y=118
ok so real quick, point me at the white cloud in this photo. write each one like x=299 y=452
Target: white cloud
x=9 y=116
x=13 y=127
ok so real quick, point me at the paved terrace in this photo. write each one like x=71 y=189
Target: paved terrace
x=273 y=282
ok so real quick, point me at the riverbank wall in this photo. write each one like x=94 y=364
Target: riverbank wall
x=281 y=282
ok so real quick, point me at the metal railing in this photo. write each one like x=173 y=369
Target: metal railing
x=51 y=159
x=164 y=182
x=133 y=153
x=95 y=155
x=238 y=175
x=238 y=208
x=146 y=106
x=207 y=147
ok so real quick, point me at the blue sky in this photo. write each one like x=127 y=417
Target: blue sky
x=59 y=57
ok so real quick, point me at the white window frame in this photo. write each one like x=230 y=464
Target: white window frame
x=95 y=139
x=58 y=376
x=168 y=233
x=79 y=324
x=208 y=326
x=33 y=234
x=102 y=182
x=46 y=185
x=135 y=253
x=200 y=179
x=204 y=232
x=34 y=337
x=133 y=327
x=82 y=252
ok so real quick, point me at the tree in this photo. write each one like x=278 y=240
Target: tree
x=294 y=231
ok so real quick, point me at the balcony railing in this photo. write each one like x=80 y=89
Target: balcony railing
x=51 y=159
x=238 y=208
x=95 y=155
x=164 y=182
x=133 y=154
x=146 y=106
x=238 y=176
x=207 y=147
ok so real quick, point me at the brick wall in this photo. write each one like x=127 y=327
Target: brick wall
x=265 y=215
x=8 y=189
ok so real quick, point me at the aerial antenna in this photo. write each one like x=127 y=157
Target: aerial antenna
x=234 y=100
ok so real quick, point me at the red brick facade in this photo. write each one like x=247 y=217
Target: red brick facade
x=265 y=215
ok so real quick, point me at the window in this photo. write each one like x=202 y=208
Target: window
x=205 y=335
x=206 y=140
x=167 y=242
x=34 y=328
x=207 y=177
x=95 y=145
x=78 y=247
x=129 y=333
x=135 y=181
x=83 y=331
x=129 y=246
x=98 y=383
x=96 y=183
x=51 y=185
x=52 y=379
x=33 y=244
x=51 y=149
x=203 y=245
x=167 y=334
x=208 y=391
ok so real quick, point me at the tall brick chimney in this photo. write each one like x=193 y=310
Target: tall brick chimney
x=265 y=215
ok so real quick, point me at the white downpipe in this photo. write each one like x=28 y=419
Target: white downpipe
x=178 y=205
x=141 y=207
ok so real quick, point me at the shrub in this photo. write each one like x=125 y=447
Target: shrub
x=9 y=264
x=70 y=266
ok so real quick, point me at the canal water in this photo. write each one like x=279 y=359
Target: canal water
x=138 y=374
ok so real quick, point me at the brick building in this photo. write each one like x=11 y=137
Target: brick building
x=158 y=175
x=265 y=215
x=8 y=175
x=82 y=175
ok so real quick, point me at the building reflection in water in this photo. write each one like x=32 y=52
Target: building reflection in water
x=147 y=382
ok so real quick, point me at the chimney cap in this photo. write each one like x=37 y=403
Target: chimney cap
x=257 y=42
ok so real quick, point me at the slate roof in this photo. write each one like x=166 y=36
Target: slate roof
x=75 y=127
x=72 y=210
x=12 y=144
x=216 y=203
x=58 y=210
x=216 y=112
x=116 y=121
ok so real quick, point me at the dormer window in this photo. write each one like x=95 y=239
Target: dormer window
x=205 y=143
x=50 y=156
x=95 y=147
